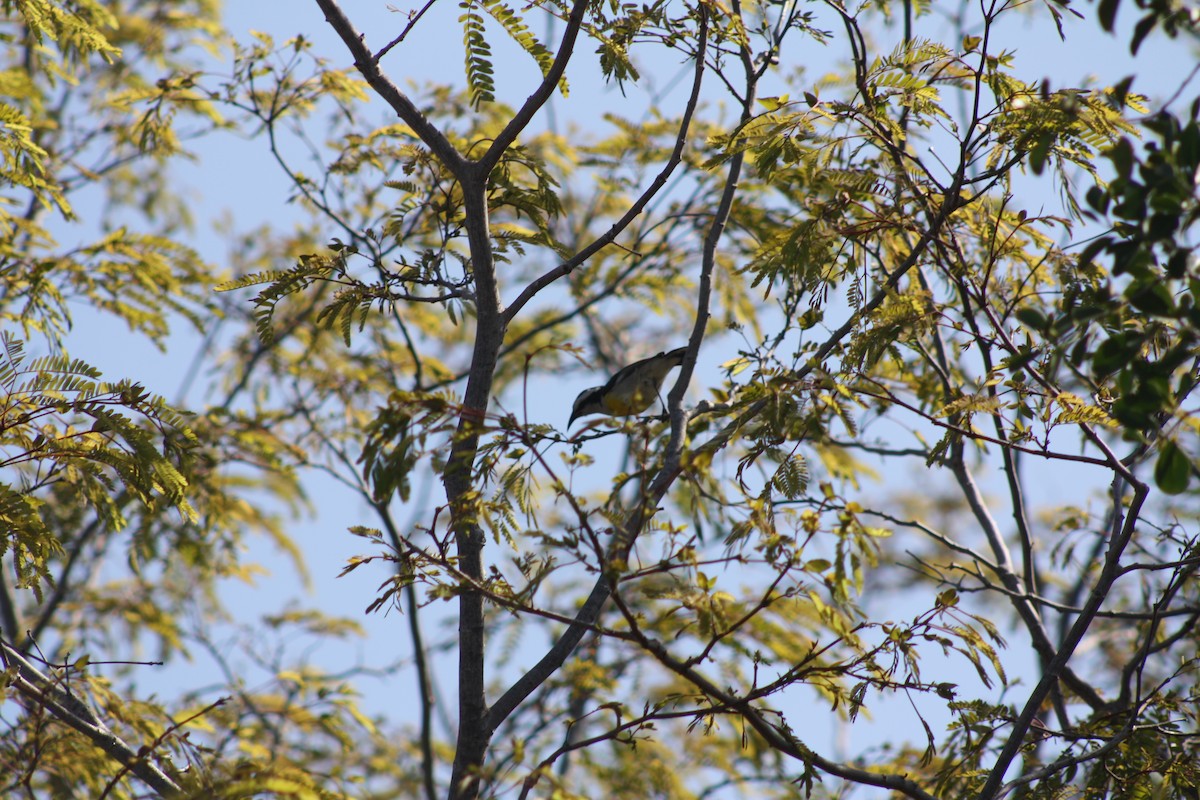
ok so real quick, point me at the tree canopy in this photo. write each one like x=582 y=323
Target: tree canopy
x=932 y=447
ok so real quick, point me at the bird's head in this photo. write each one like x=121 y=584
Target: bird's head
x=588 y=402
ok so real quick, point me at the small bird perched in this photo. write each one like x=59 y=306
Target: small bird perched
x=631 y=390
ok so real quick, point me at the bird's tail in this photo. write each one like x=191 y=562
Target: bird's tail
x=676 y=355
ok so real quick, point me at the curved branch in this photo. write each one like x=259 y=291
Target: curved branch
x=622 y=539
x=951 y=202
x=1109 y=574
x=535 y=101
x=368 y=65
x=73 y=712
x=708 y=262
x=544 y=280
x=779 y=737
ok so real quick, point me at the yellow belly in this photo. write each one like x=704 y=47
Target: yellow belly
x=620 y=404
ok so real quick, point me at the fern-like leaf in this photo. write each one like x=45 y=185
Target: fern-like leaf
x=515 y=27
x=282 y=284
x=480 y=81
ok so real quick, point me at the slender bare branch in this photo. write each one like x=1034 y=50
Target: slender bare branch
x=535 y=101
x=1109 y=573
x=38 y=689
x=639 y=205
x=368 y=65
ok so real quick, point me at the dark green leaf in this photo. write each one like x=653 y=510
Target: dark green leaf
x=1121 y=155
x=1098 y=199
x=1173 y=470
x=1152 y=296
x=1108 y=14
x=1031 y=318
x=1093 y=249
x=1141 y=30
x=1114 y=353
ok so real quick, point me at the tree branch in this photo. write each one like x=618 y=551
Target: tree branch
x=544 y=280
x=73 y=712
x=539 y=97
x=368 y=65
x=1108 y=576
x=779 y=737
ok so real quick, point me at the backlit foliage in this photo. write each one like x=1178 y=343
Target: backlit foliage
x=934 y=446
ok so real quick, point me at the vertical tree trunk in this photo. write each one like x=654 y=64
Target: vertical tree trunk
x=473 y=734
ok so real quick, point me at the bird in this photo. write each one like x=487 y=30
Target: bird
x=631 y=390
